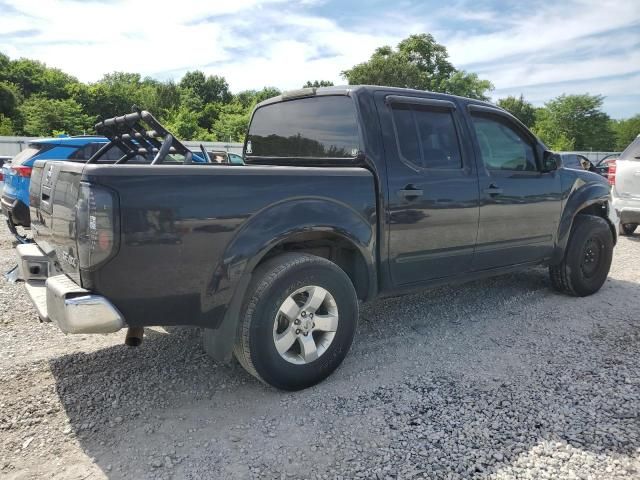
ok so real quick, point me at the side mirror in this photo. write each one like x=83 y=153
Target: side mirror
x=550 y=161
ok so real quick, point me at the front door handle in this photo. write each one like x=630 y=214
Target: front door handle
x=493 y=190
x=410 y=192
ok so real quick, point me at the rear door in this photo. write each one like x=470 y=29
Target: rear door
x=432 y=189
x=520 y=205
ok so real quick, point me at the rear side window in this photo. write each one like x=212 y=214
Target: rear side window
x=426 y=136
x=29 y=152
x=83 y=154
x=317 y=127
x=632 y=152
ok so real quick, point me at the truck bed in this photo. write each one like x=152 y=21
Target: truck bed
x=186 y=232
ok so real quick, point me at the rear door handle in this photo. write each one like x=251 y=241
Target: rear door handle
x=493 y=190
x=410 y=192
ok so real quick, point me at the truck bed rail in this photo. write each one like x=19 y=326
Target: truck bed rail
x=139 y=134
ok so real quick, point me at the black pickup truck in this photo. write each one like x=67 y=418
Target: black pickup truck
x=347 y=194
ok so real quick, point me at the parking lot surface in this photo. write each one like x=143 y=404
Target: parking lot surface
x=500 y=378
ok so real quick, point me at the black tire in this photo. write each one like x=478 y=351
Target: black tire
x=628 y=228
x=272 y=283
x=587 y=258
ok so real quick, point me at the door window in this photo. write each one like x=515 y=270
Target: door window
x=426 y=136
x=502 y=147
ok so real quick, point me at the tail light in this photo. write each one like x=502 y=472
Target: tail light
x=612 y=172
x=22 y=171
x=97 y=226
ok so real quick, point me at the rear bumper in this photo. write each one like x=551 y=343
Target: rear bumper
x=59 y=299
x=628 y=209
x=16 y=211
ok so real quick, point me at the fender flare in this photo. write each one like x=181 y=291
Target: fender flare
x=582 y=197
x=271 y=227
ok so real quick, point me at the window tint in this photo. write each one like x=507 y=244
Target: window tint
x=318 y=127
x=427 y=137
x=85 y=153
x=571 y=160
x=632 y=152
x=502 y=147
x=29 y=152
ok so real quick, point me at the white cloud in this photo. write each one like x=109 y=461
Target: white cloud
x=254 y=43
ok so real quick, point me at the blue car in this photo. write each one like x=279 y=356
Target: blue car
x=17 y=174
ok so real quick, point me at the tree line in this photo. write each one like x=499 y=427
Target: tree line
x=37 y=100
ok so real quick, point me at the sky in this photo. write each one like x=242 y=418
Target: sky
x=540 y=48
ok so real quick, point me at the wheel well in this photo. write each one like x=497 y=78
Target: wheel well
x=600 y=209
x=332 y=247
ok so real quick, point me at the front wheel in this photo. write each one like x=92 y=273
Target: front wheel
x=587 y=258
x=628 y=228
x=298 y=321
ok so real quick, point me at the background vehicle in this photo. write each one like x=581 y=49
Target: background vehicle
x=15 y=197
x=225 y=157
x=602 y=167
x=17 y=173
x=3 y=160
x=574 y=160
x=347 y=194
x=624 y=178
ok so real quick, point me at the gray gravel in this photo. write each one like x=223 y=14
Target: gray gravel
x=499 y=379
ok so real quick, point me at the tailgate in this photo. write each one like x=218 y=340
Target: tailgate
x=53 y=196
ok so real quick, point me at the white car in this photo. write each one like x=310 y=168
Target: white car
x=624 y=177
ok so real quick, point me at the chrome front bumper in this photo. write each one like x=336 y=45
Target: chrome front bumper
x=59 y=299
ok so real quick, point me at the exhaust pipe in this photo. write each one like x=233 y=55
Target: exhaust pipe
x=134 y=336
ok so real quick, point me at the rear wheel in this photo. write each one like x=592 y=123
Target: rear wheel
x=628 y=228
x=298 y=321
x=587 y=258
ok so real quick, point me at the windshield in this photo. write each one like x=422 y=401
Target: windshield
x=632 y=152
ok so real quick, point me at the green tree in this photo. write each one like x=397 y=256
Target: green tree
x=317 y=84
x=33 y=77
x=9 y=99
x=466 y=85
x=6 y=126
x=625 y=131
x=575 y=120
x=418 y=62
x=43 y=116
x=5 y=61
x=249 y=98
x=519 y=108
x=232 y=123
x=116 y=93
x=210 y=89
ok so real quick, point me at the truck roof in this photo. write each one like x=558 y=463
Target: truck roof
x=357 y=89
x=75 y=141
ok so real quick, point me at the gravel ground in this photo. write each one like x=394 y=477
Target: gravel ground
x=499 y=379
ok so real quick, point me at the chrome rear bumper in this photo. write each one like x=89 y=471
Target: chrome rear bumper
x=628 y=208
x=59 y=299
